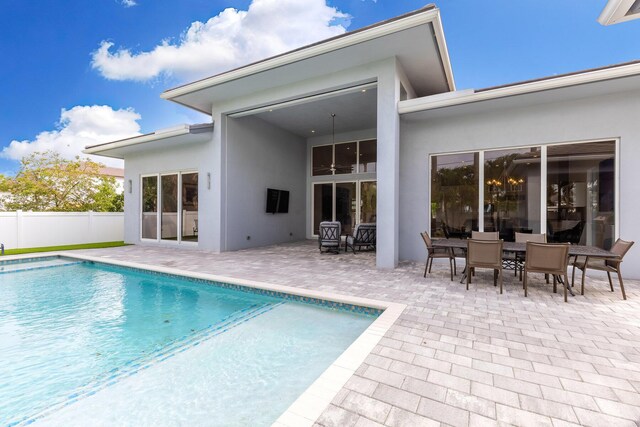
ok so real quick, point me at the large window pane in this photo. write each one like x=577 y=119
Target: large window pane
x=346 y=158
x=581 y=193
x=169 y=200
x=368 y=156
x=150 y=207
x=322 y=204
x=322 y=159
x=512 y=191
x=368 y=192
x=454 y=195
x=190 y=207
x=346 y=205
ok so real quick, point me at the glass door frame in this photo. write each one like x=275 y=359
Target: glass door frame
x=543 y=178
x=333 y=183
x=158 y=238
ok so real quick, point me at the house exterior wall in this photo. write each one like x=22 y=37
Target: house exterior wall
x=191 y=157
x=601 y=117
x=261 y=156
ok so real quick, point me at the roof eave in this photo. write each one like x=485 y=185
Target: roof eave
x=420 y=17
x=469 y=96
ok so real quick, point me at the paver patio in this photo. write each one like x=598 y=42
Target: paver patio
x=458 y=357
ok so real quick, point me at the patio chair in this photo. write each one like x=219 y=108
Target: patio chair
x=329 y=236
x=485 y=235
x=364 y=235
x=437 y=253
x=619 y=248
x=195 y=227
x=548 y=258
x=484 y=254
x=520 y=258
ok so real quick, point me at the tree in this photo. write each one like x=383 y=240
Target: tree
x=48 y=182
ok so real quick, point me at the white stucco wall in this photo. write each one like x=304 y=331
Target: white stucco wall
x=261 y=156
x=610 y=116
x=188 y=157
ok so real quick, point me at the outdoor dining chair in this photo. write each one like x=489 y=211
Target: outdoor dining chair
x=548 y=258
x=619 y=248
x=484 y=254
x=485 y=235
x=329 y=236
x=524 y=238
x=437 y=253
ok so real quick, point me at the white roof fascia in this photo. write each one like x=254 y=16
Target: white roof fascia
x=149 y=137
x=615 y=11
x=469 y=96
x=444 y=51
x=429 y=16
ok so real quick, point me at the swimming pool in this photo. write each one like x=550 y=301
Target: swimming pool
x=89 y=341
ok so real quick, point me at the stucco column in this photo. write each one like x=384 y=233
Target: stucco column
x=388 y=158
x=211 y=221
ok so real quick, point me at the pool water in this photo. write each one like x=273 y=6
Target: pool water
x=82 y=341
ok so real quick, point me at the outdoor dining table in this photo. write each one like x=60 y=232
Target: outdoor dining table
x=521 y=247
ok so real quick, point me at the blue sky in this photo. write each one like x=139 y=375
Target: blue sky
x=80 y=71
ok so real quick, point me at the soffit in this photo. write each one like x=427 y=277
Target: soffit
x=415 y=48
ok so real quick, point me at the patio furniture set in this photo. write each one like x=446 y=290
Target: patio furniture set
x=530 y=253
x=330 y=237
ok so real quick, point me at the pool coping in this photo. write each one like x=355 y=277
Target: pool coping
x=308 y=407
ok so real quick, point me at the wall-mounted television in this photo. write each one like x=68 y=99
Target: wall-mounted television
x=277 y=201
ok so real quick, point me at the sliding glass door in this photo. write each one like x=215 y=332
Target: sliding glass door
x=170 y=207
x=350 y=203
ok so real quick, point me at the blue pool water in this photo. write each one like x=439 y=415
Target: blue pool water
x=129 y=347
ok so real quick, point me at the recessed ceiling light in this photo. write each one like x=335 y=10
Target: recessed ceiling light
x=313 y=131
x=364 y=90
x=270 y=110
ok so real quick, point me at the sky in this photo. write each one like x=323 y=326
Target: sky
x=80 y=72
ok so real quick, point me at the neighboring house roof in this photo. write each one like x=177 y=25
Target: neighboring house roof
x=182 y=134
x=114 y=172
x=416 y=39
x=594 y=75
x=617 y=11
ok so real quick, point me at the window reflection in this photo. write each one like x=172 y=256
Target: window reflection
x=346 y=205
x=368 y=193
x=190 y=207
x=149 y=207
x=581 y=193
x=322 y=158
x=346 y=158
x=512 y=191
x=368 y=156
x=454 y=195
x=169 y=215
x=322 y=204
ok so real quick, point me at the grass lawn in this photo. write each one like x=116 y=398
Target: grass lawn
x=63 y=248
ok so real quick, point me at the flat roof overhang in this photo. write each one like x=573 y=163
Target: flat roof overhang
x=166 y=138
x=415 y=39
x=584 y=84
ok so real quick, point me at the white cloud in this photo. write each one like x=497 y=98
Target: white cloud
x=128 y=3
x=228 y=40
x=78 y=127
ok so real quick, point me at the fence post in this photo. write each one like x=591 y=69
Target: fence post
x=19 y=229
x=91 y=233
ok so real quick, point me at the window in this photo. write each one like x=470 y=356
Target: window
x=176 y=214
x=454 y=195
x=344 y=158
x=346 y=199
x=150 y=207
x=574 y=202
x=581 y=193
x=368 y=156
x=368 y=192
x=190 y=207
x=512 y=191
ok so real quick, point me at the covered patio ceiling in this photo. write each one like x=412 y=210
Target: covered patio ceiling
x=354 y=111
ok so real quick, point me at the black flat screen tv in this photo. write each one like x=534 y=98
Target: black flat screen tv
x=277 y=201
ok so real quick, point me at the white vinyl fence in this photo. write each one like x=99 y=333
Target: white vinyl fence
x=36 y=229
